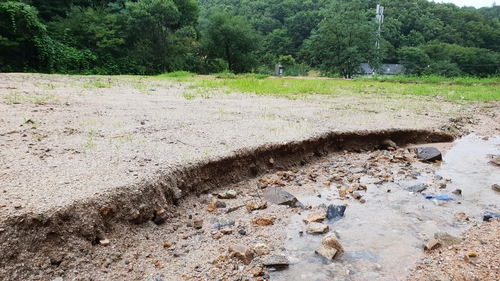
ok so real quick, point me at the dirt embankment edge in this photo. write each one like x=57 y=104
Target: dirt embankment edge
x=157 y=195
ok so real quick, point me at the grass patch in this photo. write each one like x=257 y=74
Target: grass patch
x=468 y=89
x=177 y=74
x=470 y=81
x=97 y=84
x=225 y=75
x=17 y=97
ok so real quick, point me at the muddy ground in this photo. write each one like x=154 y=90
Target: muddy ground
x=110 y=178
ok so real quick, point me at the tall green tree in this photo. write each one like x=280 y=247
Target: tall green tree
x=233 y=39
x=151 y=28
x=345 y=39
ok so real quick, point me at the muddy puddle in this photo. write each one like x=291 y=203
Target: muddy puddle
x=383 y=237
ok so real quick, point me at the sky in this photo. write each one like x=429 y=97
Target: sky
x=474 y=3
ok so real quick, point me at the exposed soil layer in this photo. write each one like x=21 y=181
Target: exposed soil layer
x=93 y=219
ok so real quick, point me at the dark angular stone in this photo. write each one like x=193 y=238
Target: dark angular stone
x=334 y=212
x=488 y=215
x=427 y=154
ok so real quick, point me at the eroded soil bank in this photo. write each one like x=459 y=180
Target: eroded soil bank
x=89 y=221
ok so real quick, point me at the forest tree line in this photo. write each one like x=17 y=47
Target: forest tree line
x=149 y=37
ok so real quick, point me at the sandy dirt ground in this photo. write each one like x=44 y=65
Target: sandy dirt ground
x=93 y=177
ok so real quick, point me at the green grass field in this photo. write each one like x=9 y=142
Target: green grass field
x=458 y=89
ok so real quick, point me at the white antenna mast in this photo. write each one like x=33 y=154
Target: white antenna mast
x=380 y=20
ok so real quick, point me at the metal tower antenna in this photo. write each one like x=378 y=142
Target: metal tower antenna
x=380 y=20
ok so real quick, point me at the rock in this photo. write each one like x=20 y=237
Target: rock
x=106 y=210
x=488 y=215
x=220 y=204
x=279 y=196
x=472 y=254
x=158 y=220
x=257 y=271
x=256 y=204
x=335 y=212
x=56 y=259
x=496 y=187
x=432 y=245
x=212 y=207
x=417 y=188
x=262 y=221
x=104 y=242
x=198 y=224
x=495 y=159
x=314 y=217
x=329 y=244
x=227 y=194
x=462 y=216
x=274 y=260
x=316 y=227
x=226 y=231
x=427 y=154
x=242 y=253
x=356 y=195
x=446 y=239
x=325 y=251
x=167 y=244
x=358 y=170
x=260 y=249
x=389 y=144
x=457 y=192
x=242 y=232
x=58 y=279
x=342 y=193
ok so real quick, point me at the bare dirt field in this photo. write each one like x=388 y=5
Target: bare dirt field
x=106 y=178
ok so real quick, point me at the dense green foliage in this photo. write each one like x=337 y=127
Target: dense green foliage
x=211 y=36
x=344 y=40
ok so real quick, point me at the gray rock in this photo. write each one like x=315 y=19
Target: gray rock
x=279 y=196
x=427 y=154
x=220 y=204
x=496 y=187
x=389 y=143
x=227 y=194
x=488 y=215
x=274 y=260
x=417 y=188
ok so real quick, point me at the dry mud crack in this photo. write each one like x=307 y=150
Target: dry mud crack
x=84 y=165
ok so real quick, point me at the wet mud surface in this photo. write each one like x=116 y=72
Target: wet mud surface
x=384 y=236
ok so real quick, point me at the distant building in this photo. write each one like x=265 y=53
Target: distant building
x=385 y=69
